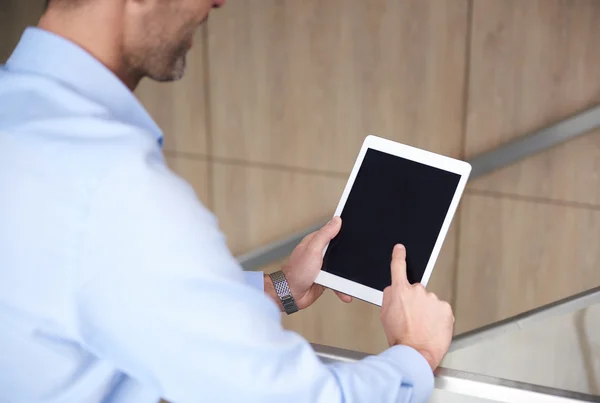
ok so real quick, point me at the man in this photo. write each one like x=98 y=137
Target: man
x=115 y=283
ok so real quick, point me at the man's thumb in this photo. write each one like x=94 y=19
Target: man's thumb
x=327 y=233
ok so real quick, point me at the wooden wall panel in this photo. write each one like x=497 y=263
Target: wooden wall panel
x=257 y=205
x=301 y=83
x=15 y=16
x=180 y=108
x=517 y=255
x=534 y=63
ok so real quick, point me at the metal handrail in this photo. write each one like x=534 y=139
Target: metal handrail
x=516 y=150
x=474 y=385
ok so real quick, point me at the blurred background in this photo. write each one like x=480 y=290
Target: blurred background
x=280 y=94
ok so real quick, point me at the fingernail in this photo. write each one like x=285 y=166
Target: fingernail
x=334 y=220
x=399 y=248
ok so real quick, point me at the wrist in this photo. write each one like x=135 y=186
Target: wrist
x=429 y=358
x=270 y=291
x=283 y=292
x=425 y=353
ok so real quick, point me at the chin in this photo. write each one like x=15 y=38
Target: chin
x=174 y=73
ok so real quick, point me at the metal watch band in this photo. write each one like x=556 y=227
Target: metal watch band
x=283 y=292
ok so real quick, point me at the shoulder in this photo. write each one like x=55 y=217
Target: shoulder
x=143 y=218
x=29 y=97
x=138 y=172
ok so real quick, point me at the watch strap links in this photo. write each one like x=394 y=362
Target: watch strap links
x=283 y=292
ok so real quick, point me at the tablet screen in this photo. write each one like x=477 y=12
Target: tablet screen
x=393 y=200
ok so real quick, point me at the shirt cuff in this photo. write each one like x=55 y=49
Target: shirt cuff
x=417 y=371
x=255 y=279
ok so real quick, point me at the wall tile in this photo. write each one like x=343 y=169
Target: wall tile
x=256 y=206
x=534 y=63
x=517 y=255
x=302 y=83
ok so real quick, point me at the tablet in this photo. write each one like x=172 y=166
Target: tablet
x=395 y=194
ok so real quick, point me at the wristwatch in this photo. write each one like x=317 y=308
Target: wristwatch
x=283 y=292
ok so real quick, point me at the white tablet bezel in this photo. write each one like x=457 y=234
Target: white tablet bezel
x=461 y=168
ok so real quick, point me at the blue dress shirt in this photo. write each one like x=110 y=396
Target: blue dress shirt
x=116 y=284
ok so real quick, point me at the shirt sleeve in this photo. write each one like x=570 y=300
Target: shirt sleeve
x=161 y=297
x=255 y=279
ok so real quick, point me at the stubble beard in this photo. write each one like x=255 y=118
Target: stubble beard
x=161 y=55
x=167 y=64
x=175 y=65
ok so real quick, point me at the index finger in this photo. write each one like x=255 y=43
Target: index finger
x=399 y=265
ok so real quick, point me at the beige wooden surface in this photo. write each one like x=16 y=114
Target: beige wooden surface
x=301 y=83
x=533 y=63
x=257 y=205
x=517 y=255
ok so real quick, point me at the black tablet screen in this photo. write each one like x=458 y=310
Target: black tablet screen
x=393 y=200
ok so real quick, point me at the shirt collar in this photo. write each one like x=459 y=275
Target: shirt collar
x=44 y=53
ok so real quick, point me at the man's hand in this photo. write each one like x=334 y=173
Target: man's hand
x=413 y=317
x=305 y=263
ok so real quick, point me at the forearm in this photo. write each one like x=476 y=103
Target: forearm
x=199 y=328
x=399 y=374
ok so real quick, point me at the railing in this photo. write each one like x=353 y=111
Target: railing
x=487 y=387
x=475 y=385
x=461 y=382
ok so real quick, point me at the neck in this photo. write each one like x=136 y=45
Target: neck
x=96 y=28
